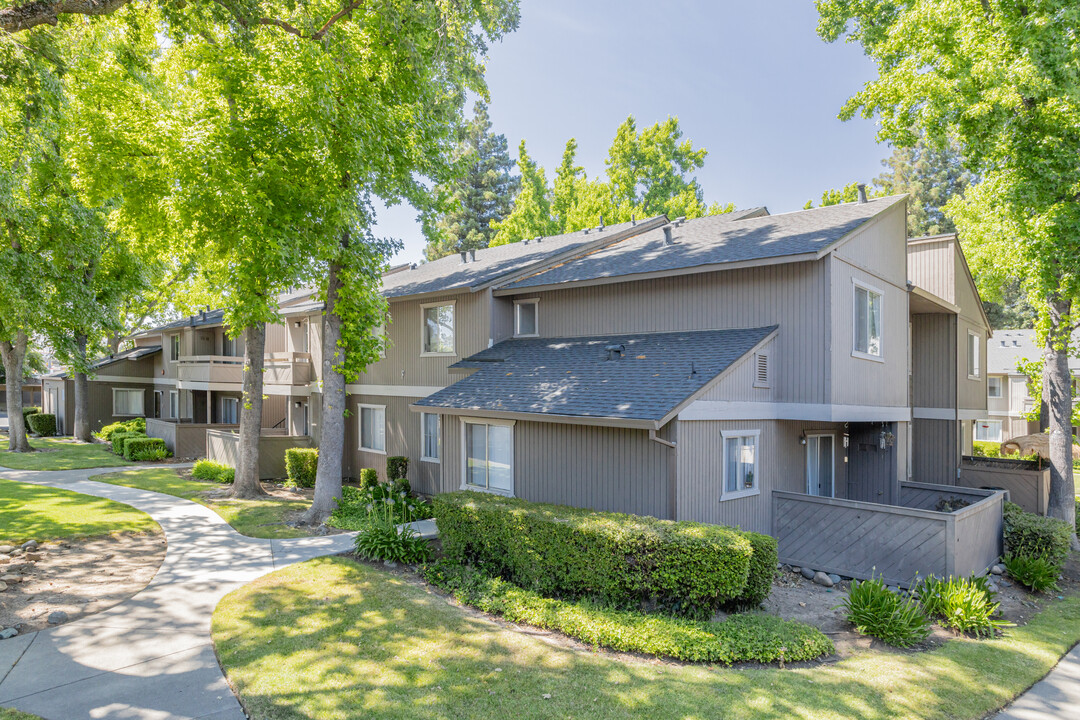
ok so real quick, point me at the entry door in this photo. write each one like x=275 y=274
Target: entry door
x=820 y=465
x=871 y=467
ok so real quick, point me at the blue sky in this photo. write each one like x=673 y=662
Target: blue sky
x=749 y=81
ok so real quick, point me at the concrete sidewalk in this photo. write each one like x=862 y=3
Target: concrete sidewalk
x=1055 y=697
x=150 y=657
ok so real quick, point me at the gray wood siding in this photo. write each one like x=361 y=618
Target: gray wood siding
x=933 y=361
x=276 y=338
x=881 y=247
x=1030 y=489
x=935 y=451
x=738 y=384
x=274 y=410
x=972 y=392
x=403 y=437
x=790 y=295
x=931 y=266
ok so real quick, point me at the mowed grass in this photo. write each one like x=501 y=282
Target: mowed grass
x=9 y=714
x=61 y=454
x=44 y=513
x=332 y=639
x=254 y=518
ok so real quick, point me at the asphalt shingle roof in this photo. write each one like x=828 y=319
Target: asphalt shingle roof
x=573 y=376
x=1006 y=348
x=717 y=239
x=133 y=354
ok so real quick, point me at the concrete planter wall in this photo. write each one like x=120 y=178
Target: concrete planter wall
x=1027 y=484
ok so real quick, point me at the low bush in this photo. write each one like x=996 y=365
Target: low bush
x=119 y=438
x=43 y=424
x=138 y=425
x=135 y=446
x=369 y=477
x=749 y=637
x=965 y=605
x=212 y=471
x=397 y=467
x=1035 y=573
x=985 y=448
x=762 y=569
x=879 y=612
x=379 y=536
x=357 y=504
x=154 y=454
x=684 y=568
x=1033 y=535
x=300 y=466
x=28 y=411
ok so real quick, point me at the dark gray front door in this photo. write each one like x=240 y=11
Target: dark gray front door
x=871 y=467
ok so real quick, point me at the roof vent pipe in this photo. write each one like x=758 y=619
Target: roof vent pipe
x=668 y=239
x=862 y=193
x=680 y=220
x=464 y=257
x=472 y=256
x=633 y=220
x=539 y=238
x=601 y=228
x=587 y=230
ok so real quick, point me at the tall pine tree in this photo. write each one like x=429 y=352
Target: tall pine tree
x=931 y=175
x=483 y=194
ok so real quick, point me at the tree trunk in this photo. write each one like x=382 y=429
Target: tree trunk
x=332 y=439
x=246 y=484
x=114 y=343
x=14 y=353
x=81 y=430
x=1057 y=392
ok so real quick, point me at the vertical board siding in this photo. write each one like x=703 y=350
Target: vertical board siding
x=1030 y=489
x=276 y=338
x=881 y=246
x=789 y=295
x=931 y=266
x=933 y=361
x=224 y=447
x=972 y=393
x=273 y=410
x=738 y=384
x=403 y=437
x=935 y=451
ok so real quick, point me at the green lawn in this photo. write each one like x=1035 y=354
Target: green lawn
x=254 y=518
x=9 y=714
x=331 y=638
x=61 y=454
x=45 y=513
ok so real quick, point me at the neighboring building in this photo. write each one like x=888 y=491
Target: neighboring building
x=683 y=370
x=1009 y=400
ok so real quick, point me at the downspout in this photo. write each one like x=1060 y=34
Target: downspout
x=672 y=472
x=656 y=438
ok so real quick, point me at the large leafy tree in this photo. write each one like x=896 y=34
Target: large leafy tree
x=1001 y=78
x=482 y=194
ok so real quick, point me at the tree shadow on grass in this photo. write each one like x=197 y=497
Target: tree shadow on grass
x=335 y=639
x=44 y=513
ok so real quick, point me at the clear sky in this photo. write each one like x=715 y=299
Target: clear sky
x=749 y=81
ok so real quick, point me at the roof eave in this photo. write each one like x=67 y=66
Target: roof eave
x=633 y=423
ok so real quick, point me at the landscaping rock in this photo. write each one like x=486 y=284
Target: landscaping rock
x=998 y=570
x=835 y=578
x=30 y=545
x=11 y=578
x=894 y=589
x=7 y=549
x=796 y=569
x=8 y=632
x=390 y=563
x=3 y=586
x=1005 y=582
x=32 y=557
x=823 y=579
x=992 y=586
x=56 y=617
x=807 y=573
x=5 y=559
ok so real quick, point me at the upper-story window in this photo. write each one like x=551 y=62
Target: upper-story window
x=867 y=316
x=438 y=329
x=174 y=347
x=525 y=318
x=973 y=356
x=228 y=346
x=993 y=387
x=373 y=428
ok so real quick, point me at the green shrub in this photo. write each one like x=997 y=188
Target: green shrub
x=762 y=570
x=154 y=454
x=964 y=605
x=356 y=504
x=212 y=471
x=1078 y=516
x=877 y=611
x=985 y=448
x=369 y=477
x=134 y=446
x=28 y=411
x=749 y=637
x=379 y=536
x=1036 y=536
x=1035 y=573
x=138 y=425
x=397 y=467
x=43 y=424
x=300 y=466
x=119 y=438
x=684 y=568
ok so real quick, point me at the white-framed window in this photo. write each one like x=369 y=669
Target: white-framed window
x=174 y=347
x=988 y=430
x=373 y=428
x=379 y=331
x=740 y=470
x=866 y=318
x=174 y=404
x=761 y=370
x=128 y=402
x=228 y=346
x=488 y=455
x=973 y=368
x=438 y=329
x=993 y=386
x=526 y=318
x=431 y=435
x=820 y=464
x=230 y=410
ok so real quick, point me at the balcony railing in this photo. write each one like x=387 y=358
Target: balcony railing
x=288 y=368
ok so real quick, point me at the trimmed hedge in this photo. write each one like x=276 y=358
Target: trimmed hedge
x=28 y=411
x=119 y=438
x=397 y=467
x=300 y=466
x=762 y=570
x=43 y=424
x=213 y=471
x=135 y=446
x=138 y=425
x=749 y=637
x=684 y=568
x=1036 y=536
x=369 y=477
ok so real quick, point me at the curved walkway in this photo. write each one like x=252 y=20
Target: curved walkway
x=150 y=657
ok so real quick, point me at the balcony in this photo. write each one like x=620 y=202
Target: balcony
x=287 y=368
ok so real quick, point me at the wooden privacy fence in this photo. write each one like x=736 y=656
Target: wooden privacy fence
x=224 y=447
x=184 y=440
x=894 y=542
x=1028 y=486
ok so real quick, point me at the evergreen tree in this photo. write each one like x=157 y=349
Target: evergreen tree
x=483 y=194
x=931 y=175
x=531 y=215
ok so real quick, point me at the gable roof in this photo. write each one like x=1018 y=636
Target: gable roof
x=561 y=379
x=1006 y=348
x=717 y=240
x=134 y=353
